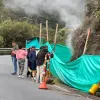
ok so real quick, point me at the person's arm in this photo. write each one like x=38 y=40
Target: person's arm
x=17 y=54
x=13 y=53
x=16 y=49
x=25 y=52
x=37 y=56
x=30 y=56
x=34 y=57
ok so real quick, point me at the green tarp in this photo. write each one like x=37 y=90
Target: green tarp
x=31 y=43
x=62 y=52
x=34 y=42
x=80 y=74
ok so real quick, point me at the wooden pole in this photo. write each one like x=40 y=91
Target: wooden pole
x=40 y=32
x=55 y=39
x=47 y=30
x=85 y=47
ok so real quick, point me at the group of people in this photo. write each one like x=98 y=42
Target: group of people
x=35 y=61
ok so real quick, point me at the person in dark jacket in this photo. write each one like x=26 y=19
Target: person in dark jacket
x=40 y=62
x=29 y=73
x=32 y=59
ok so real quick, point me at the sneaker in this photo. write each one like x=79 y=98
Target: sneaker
x=37 y=81
x=14 y=73
x=35 y=78
x=40 y=82
x=19 y=76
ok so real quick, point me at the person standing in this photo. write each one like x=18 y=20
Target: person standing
x=40 y=63
x=21 y=55
x=13 y=56
x=32 y=59
x=29 y=73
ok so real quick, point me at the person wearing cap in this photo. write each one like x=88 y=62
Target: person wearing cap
x=32 y=59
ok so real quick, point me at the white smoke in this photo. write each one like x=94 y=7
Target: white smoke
x=70 y=11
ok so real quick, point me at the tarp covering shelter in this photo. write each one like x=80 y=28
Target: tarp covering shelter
x=62 y=52
x=80 y=74
x=35 y=41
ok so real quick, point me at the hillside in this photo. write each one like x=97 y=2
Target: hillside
x=11 y=22
x=92 y=20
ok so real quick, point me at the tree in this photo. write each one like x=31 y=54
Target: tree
x=16 y=31
x=1 y=41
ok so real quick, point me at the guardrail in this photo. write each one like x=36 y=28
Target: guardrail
x=5 y=49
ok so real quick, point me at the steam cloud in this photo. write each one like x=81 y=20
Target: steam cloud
x=70 y=11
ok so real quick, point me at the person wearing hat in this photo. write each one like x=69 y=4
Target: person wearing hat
x=32 y=59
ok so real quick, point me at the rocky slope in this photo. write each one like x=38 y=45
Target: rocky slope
x=92 y=20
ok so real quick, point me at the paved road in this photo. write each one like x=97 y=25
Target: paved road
x=13 y=88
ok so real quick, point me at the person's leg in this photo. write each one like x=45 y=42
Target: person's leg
x=38 y=74
x=15 y=64
x=22 y=63
x=19 y=68
x=28 y=73
x=41 y=73
x=14 y=61
x=34 y=71
x=34 y=74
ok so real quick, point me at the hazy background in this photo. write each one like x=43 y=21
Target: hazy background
x=70 y=11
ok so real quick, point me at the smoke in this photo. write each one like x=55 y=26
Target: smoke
x=70 y=11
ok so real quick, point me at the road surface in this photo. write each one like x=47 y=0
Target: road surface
x=14 y=88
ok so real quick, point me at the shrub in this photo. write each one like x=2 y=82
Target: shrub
x=16 y=31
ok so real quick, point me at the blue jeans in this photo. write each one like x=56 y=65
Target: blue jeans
x=14 y=60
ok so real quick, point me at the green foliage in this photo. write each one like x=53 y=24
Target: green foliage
x=1 y=41
x=16 y=31
x=61 y=36
x=17 y=26
x=20 y=31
